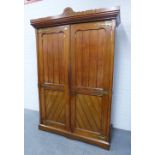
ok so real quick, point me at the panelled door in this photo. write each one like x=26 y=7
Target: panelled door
x=53 y=67
x=91 y=65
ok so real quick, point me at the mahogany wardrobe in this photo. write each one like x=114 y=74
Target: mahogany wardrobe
x=75 y=53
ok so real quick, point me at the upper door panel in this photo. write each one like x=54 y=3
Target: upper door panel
x=90 y=59
x=53 y=48
x=54 y=42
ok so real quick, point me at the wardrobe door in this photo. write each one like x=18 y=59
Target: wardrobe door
x=91 y=78
x=53 y=53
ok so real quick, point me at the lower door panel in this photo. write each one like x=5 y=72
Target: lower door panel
x=89 y=116
x=55 y=107
x=88 y=113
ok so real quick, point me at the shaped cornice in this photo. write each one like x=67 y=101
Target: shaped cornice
x=71 y=17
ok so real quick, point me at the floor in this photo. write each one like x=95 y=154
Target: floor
x=38 y=142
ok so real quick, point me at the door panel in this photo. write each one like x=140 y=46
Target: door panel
x=89 y=47
x=55 y=106
x=88 y=112
x=54 y=75
x=90 y=78
x=53 y=48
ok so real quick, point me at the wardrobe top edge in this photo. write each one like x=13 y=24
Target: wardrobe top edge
x=69 y=16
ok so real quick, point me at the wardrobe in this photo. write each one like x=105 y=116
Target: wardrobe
x=75 y=55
